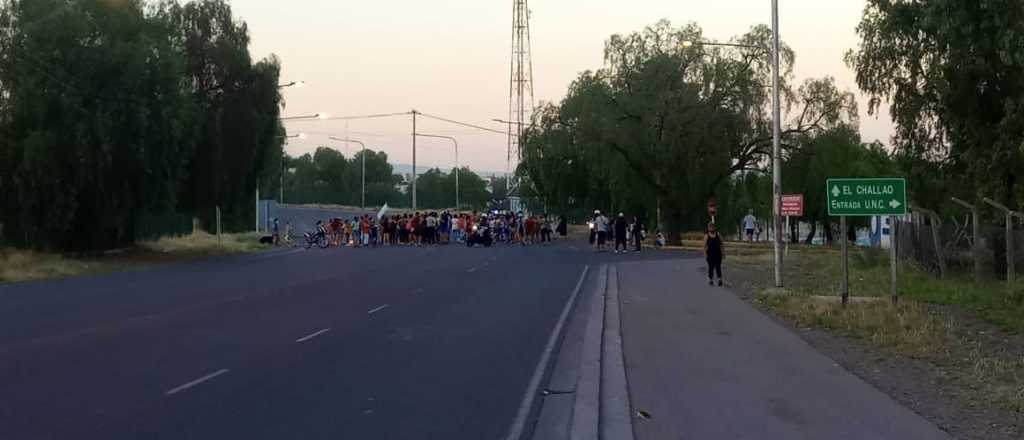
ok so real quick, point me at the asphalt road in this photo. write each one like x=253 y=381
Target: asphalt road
x=390 y=343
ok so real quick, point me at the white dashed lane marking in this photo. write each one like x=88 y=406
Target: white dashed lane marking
x=312 y=335
x=195 y=382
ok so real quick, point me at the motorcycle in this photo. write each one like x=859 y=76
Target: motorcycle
x=318 y=238
x=480 y=235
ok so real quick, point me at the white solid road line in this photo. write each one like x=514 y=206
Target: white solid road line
x=377 y=309
x=312 y=335
x=516 y=430
x=470 y=270
x=195 y=382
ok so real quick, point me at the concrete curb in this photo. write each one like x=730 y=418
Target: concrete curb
x=616 y=421
x=587 y=405
x=600 y=406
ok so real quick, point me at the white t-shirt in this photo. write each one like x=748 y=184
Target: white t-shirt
x=749 y=222
x=601 y=223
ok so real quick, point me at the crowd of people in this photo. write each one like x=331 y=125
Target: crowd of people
x=436 y=228
x=623 y=232
x=433 y=228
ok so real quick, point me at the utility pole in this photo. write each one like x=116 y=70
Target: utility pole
x=414 y=160
x=776 y=149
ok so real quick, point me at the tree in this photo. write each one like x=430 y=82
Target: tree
x=666 y=125
x=473 y=193
x=954 y=73
x=240 y=103
x=95 y=121
x=837 y=152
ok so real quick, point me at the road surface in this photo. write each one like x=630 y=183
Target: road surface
x=412 y=343
x=428 y=343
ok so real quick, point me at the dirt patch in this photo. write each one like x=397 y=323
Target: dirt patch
x=939 y=393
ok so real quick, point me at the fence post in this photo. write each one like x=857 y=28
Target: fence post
x=1010 y=272
x=976 y=232
x=936 y=240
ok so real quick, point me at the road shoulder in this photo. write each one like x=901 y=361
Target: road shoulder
x=702 y=362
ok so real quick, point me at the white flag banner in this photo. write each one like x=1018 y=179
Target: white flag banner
x=383 y=210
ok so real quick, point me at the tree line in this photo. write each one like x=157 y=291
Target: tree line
x=112 y=112
x=327 y=176
x=669 y=124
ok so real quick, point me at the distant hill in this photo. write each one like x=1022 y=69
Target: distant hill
x=402 y=168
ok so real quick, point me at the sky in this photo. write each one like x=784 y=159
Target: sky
x=451 y=58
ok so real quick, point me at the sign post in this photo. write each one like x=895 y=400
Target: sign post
x=792 y=206
x=866 y=197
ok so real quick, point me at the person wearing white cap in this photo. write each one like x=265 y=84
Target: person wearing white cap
x=601 y=226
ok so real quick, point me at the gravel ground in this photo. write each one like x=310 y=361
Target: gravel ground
x=919 y=385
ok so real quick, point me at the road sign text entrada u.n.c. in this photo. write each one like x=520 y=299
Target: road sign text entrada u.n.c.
x=867 y=197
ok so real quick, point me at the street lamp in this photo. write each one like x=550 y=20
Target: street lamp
x=347 y=140
x=313 y=116
x=296 y=84
x=776 y=133
x=457 y=205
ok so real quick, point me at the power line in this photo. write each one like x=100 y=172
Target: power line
x=349 y=118
x=464 y=124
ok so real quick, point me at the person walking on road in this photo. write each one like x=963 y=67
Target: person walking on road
x=601 y=228
x=620 y=232
x=749 y=224
x=714 y=251
x=563 y=226
x=638 y=234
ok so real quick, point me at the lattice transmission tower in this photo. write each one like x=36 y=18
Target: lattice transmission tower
x=520 y=106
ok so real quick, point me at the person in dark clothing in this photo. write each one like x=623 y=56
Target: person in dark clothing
x=620 y=232
x=714 y=251
x=563 y=226
x=638 y=234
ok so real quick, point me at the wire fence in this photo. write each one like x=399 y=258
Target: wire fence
x=952 y=249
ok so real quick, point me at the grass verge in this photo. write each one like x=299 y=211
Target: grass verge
x=989 y=367
x=27 y=265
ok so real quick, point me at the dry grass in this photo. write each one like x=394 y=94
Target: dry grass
x=25 y=265
x=202 y=243
x=19 y=265
x=913 y=328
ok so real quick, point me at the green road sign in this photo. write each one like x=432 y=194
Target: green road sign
x=867 y=197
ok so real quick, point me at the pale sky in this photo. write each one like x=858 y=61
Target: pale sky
x=451 y=58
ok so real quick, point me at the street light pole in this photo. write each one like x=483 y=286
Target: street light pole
x=281 y=175
x=457 y=205
x=362 y=203
x=414 y=160
x=776 y=149
x=776 y=134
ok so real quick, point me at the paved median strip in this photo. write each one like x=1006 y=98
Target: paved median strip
x=312 y=335
x=195 y=382
x=375 y=310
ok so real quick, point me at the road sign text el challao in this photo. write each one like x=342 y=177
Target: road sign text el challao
x=867 y=197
